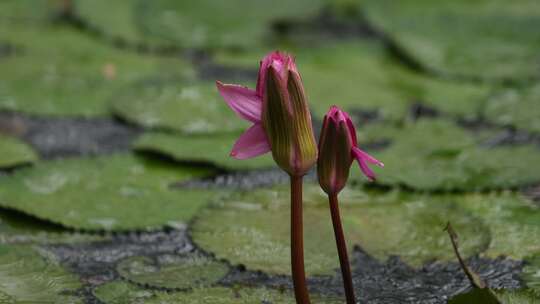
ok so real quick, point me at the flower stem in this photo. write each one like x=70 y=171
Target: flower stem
x=297 y=242
x=342 y=249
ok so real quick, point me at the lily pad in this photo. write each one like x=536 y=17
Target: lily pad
x=516 y=107
x=439 y=155
x=15 y=152
x=253 y=228
x=206 y=23
x=172 y=271
x=117 y=192
x=176 y=103
x=69 y=73
x=484 y=39
x=514 y=222
x=483 y=296
x=531 y=273
x=26 y=11
x=28 y=277
x=123 y=293
x=213 y=149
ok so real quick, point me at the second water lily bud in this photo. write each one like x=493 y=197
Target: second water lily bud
x=338 y=147
x=285 y=114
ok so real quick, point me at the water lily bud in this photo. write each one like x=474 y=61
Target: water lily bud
x=285 y=114
x=337 y=150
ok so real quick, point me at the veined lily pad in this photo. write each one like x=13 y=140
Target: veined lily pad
x=62 y=72
x=176 y=103
x=531 y=273
x=435 y=154
x=367 y=79
x=28 y=277
x=253 y=228
x=204 y=148
x=13 y=152
x=514 y=223
x=522 y=296
x=516 y=107
x=172 y=271
x=206 y=23
x=123 y=293
x=111 y=193
x=487 y=39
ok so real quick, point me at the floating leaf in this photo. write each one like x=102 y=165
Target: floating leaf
x=69 y=73
x=189 y=24
x=28 y=277
x=486 y=39
x=123 y=293
x=438 y=155
x=213 y=149
x=13 y=152
x=516 y=107
x=172 y=271
x=117 y=192
x=253 y=228
x=531 y=272
x=176 y=103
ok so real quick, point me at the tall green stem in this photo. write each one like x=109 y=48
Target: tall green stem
x=297 y=242
x=342 y=249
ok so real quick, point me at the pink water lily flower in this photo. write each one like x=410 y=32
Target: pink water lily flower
x=247 y=103
x=280 y=115
x=338 y=146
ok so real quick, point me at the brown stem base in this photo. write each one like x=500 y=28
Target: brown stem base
x=297 y=243
x=342 y=249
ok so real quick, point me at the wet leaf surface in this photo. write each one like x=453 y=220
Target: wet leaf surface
x=107 y=193
x=213 y=149
x=15 y=153
x=484 y=39
x=252 y=228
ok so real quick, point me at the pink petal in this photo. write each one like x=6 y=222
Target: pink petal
x=362 y=158
x=245 y=102
x=361 y=154
x=252 y=143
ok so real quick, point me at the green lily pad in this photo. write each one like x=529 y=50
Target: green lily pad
x=486 y=39
x=253 y=228
x=206 y=23
x=213 y=149
x=28 y=277
x=124 y=293
x=172 y=271
x=16 y=228
x=117 y=192
x=15 y=152
x=513 y=221
x=438 y=155
x=531 y=273
x=175 y=103
x=516 y=107
x=484 y=296
x=382 y=85
x=62 y=72
x=26 y=11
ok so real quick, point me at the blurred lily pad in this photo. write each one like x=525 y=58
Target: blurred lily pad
x=14 y=152
x=205 y=23
x=62 y=72
x=368 y=80
x=117 y=192
x=516 y=107
x=514 y=222
x=172 y=271
x=123 y=293
x=486 y=39
x=27 y=11
x=253 y=228
x=28 y=277
x=175 y=103
x=483 y=296
x=213 y=149
x=439 y=155
x=531 y=273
